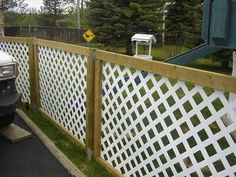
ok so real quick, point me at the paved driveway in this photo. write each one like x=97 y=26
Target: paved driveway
x=28 y=158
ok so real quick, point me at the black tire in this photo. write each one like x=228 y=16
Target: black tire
x=7 y=119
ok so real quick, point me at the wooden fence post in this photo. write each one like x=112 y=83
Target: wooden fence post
x=232 y=96
x=97 y=108
x=90 y=103
x=36 y=71
x=98 y=119
x=33 y=72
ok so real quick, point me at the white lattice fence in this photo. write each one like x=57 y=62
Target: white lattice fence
x=62 y=78
x=157 y=126
x=20 y=52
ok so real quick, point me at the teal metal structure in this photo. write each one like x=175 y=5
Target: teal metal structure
x=218 y=30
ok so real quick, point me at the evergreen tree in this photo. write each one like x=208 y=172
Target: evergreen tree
x=99 y=14
x=13 y=11
x=17 y=5
x=52 y=12
x=21 y=19
x=183 y=22
x=115 y=21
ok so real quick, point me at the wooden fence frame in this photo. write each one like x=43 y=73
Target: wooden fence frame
x=90 y=80
x=96 y=59
x=208 y=79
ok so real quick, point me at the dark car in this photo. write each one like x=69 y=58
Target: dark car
x=9 y=97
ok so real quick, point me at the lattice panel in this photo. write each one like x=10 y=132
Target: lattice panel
x=63 y=88
x=157 y=126
x=20 y=52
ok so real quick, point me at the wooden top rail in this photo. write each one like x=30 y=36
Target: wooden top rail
x=205 y=78
x=63 y=46
x=15 y=39
x=52 y=44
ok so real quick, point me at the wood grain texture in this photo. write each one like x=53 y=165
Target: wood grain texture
x=15 y=39
x=97 y=108
x=36 y=77
x=14 y=133
x=63 y=46
x=109 y=168
x=90 y=101
x=32 y=72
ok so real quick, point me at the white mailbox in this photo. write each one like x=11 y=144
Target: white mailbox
x=146 y=40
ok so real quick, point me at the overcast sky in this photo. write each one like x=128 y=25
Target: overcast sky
x=34 y=3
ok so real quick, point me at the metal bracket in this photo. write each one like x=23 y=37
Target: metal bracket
x=89 y=154
x=33 y=106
